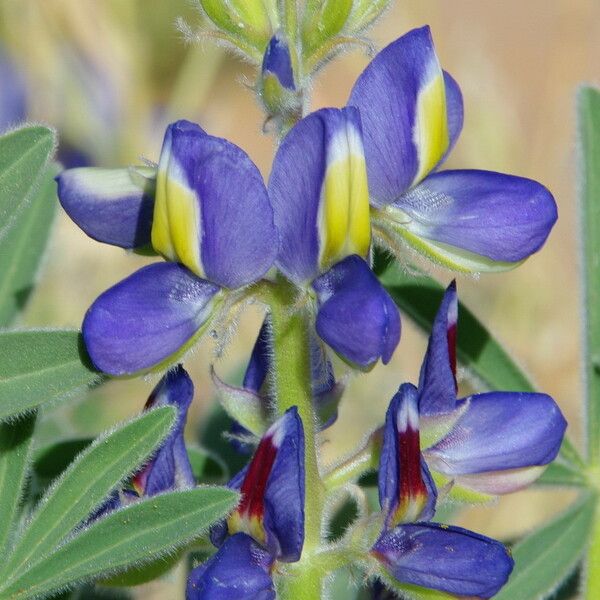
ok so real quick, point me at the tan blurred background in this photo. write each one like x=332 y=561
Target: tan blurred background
x=110 y=74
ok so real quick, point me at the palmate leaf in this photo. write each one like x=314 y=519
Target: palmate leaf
x=139 y=532
x=24 y=154
x=545 y=558
x=86 y=484
x=23 y=245
x=419 y=297
x=589 y=136
x=41 y=367
x=15 y=450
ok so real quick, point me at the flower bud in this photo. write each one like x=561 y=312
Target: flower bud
x=277 y=84
x=322 y=21
x=247 y=20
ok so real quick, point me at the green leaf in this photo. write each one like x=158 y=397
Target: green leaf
x=207 y=466
x=137 y=533
x=560 y=474
x=23 y=157
x=137 y=575
x=41 y=367
x=548 y=556
x=51 y=461
x=15 y=449
x=87 y=483
x=419 y=297
x=589 y=140
x=22 y=247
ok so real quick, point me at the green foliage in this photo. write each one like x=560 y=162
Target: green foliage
x=87 y=482
x=15 y=447
x=41 y=367
x=545 y=558
x=560 y=474
x=24 y=154
x=51 y=461
x=22 y=248
x=589 y=135
x=136 y=533
x=207 y=466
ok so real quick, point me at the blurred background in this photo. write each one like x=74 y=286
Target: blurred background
x=111 y=74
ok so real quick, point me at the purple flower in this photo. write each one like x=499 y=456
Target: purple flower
x=205 y=209
x=318 y=188
x=411 y=550
x=240 y=570
x=268 y=524
x=277 y=63
x=491 y=443
x=412 y=115
x=169 y=469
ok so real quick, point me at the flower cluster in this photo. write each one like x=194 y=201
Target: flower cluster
x=342 y=180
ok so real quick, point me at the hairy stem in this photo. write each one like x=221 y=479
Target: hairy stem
x=292 y=386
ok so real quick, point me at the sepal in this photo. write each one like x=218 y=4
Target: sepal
x=244 y=406
x=246 y=21
x=322 y=21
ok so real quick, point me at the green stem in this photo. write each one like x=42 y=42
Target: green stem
x=305 y=584
x=304 y=580
x=592 y=583
x=292 y=385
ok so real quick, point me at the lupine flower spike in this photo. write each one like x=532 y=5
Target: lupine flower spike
x=411 y=550
x=268 y=524
x=170 y=468
x=205 y=209
x=318 y=188
x=467 y=220
x=492 y=443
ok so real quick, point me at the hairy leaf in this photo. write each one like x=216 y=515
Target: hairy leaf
x=88 y=481
x=41 y=367
x=589 y=136
x=139 y=532
x=15 y=449
x=544 y=559
x=23 y=157
x=22 y=248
